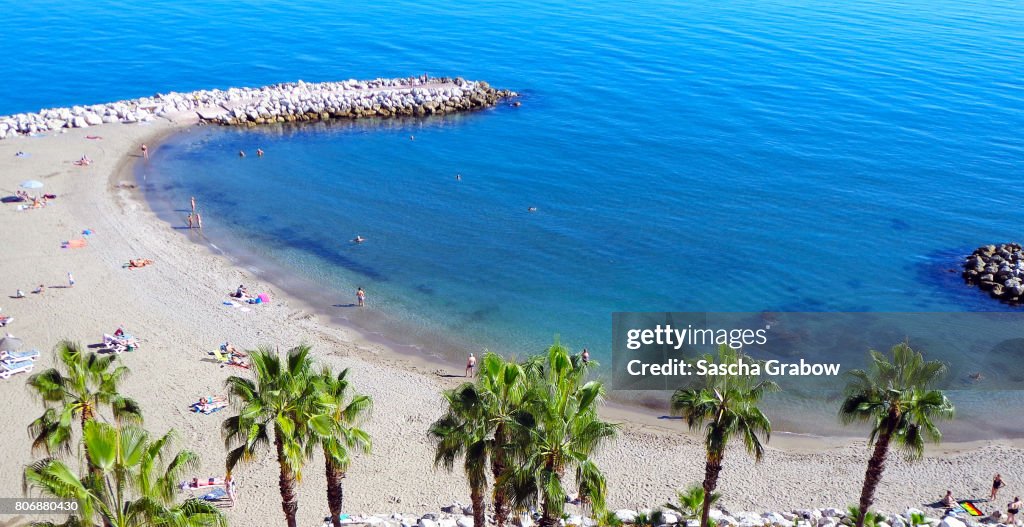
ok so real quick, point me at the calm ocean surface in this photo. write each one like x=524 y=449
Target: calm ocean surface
x=722 y=155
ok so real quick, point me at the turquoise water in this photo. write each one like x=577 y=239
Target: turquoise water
x=721 y=155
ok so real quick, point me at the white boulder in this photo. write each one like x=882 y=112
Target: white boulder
x=626 y=515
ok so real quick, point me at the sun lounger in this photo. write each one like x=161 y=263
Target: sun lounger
x=4 y=320
x=15 y=356
x=8 y=369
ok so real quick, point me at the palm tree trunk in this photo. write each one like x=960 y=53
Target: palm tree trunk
x=476 y=495
x=712 y=468
x=873 y=476
x=498 y=467
x=335 y=492
x=549 y=516
x=289 y=501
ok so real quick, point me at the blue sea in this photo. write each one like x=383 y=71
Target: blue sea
x=683 y=155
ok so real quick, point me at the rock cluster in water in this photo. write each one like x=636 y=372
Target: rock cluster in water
x=457 y=515
x=290 y=102
x=998 y=269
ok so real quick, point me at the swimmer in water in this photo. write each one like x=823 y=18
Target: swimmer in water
x=358 y=239
x=241 y=153
x=531 y=209
x=259 y=152
x=412 y=137
x=458 y=177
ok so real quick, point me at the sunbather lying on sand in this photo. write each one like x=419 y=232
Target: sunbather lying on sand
x=230 y=349
x=208 y=405
x=235 y=360
x=138 y=263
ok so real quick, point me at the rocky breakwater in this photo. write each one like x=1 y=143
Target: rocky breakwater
x=289 y=102
x=999 y=270
x=354 y=100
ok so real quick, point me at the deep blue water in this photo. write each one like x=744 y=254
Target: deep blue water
x=724 y=155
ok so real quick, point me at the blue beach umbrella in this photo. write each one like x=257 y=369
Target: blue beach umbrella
x=31 y=184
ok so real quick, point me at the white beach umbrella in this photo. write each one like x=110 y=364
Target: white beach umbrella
x=31 y=184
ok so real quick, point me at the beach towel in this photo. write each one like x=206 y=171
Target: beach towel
x=969 y=508
x=214 y=495
x=74 y=244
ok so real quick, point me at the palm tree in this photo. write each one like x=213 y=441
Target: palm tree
x=485 y=422
x=133 y=484
x=896 y=397
x=566 y=434
x=691 y=503
x=505 y=394
x=338 y=432
x=463 y=432
x=77 y=389
x=725 y=406
x=278 y=402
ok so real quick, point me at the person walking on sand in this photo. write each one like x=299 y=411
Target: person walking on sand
x=145 y=151
x=471 y=365
x=360 y=297
x=1012 y=509
x=71 y=279
x=229 y=487
x=997 y=483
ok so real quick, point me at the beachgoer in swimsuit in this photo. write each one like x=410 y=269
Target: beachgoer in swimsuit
x=1012 y=509
x=241 y=153
x=470 y=365
x=585 y=356
x=997 y=483
x=71 y=280
x=193 y=204
x=361 y=297
x=259 y=152
x=145 y=151
x=949 y=500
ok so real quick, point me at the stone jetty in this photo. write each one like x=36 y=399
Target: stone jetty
x=278 y=103
x=999 y=270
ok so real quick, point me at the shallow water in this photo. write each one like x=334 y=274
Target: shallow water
x=683 y=156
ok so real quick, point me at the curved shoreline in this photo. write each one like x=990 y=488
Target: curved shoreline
x=175 y=307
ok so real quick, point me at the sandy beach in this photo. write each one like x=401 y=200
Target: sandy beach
x=175 y=307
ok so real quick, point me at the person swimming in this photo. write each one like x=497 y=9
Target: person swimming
x=358 y=239
x=531 y=209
